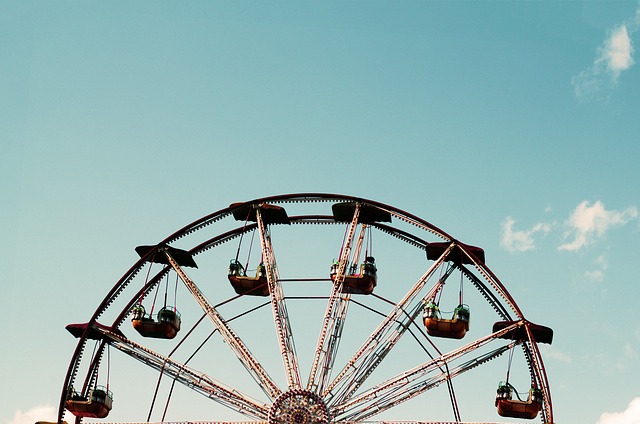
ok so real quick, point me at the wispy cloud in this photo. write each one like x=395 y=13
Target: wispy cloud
x=614 y=56
x=626 y=359
x=588 y=223
x=38 y=413
x=522 y=240
x=631 y=415
x=597 y=274
x=552 y=353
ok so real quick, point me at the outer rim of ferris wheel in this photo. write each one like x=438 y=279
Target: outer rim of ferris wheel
x=300 y=405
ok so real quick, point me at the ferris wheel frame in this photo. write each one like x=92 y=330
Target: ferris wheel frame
x=323 y=396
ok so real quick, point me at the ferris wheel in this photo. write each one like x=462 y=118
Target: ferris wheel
x=368 y=314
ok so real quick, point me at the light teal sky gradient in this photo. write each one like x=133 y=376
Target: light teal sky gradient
x=120 y=122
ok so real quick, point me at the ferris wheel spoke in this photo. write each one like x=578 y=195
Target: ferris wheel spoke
x=415 y=381
x=334 y=341
x=384 y=338
x=401 y=393
x=235 y=343
x=190 y=377
x=279 y=307
x=334 y=316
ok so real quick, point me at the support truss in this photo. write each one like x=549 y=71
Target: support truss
x=279 y=307
x=334 y=316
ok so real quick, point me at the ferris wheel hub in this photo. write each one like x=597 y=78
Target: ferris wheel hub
x=299 y=406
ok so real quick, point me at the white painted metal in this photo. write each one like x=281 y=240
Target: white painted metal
x=279 y=307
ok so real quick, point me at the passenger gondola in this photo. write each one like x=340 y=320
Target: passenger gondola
x=361 y=281
x=252 y=286
x=516 y=408
x=165 y=326
x=96 y=404
x=454 y=328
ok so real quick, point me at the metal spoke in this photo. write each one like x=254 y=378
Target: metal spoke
x=235 y=343
x=384 y=338
x=191 y=378
x=334 y=315
x=279 y=307
x=402 y=393
x=417 y=374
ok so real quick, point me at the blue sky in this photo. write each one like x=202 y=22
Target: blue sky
x=511 y=125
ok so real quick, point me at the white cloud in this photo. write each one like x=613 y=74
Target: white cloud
x=38 y=413
x=613 y=57
x=520 y=241
x=587 y=223
x=618 y=51
x=631 y=415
